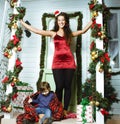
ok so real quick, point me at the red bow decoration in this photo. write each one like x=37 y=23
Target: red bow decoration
x=4 y=108
x=14 y=96
x=5 y=79
x=15 y=39
x=18 y=62
x=104 y=112
x=107 y=57
x=91 y=6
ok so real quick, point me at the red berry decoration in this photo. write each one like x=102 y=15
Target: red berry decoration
x=12 y=84
x=6 y=54
x=104 y=112
x=4 y=108
x=99 y=34
x=19 y=48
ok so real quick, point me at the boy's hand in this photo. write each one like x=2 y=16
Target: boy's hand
x=30 y=100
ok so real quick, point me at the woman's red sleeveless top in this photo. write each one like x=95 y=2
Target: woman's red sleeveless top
x=63 y=57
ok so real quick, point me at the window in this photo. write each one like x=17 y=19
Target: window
x=114 y=42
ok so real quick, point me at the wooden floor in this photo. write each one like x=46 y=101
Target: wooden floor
x=12 y=120
x=70 y=121
x=114 y=120
x=66 y=121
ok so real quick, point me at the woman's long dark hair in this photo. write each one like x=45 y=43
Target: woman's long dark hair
x=67 y=30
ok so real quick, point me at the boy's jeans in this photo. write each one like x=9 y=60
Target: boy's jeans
x=45 y=111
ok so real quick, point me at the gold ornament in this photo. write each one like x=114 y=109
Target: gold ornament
x=102 y=36
x=95 y=14
x=103 y=32
x=14 y=26
x=92 y=102
x=9 y=109
x=15 y=49
x=15 y=79
x=93 y=58
x=9 y=56
x=97 y=103
x=93 y=53
x=96 y=55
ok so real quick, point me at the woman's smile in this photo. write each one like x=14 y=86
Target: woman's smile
x=61 y=21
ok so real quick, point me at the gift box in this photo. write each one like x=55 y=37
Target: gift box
x=23 y=92
x=85 y=113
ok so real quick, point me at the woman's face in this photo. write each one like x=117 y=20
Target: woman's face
x=61 y=21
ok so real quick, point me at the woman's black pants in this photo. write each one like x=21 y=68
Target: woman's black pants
x=63 y=80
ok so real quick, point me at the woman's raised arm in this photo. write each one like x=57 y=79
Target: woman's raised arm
x=37 y=31
x=85 y=29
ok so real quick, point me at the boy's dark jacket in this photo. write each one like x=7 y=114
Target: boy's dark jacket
x=30 y=114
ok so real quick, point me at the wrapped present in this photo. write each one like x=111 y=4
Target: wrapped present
x=23 y=92
x=85 y=113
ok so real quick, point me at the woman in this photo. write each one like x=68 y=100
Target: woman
x=63 y=65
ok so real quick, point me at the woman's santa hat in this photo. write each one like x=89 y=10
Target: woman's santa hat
x=57 y=12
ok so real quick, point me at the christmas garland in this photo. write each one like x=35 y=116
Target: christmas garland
x=13 y=44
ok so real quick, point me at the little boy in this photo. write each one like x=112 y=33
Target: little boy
x=42 y=101
x=42 y=106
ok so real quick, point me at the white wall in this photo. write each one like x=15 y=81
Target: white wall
x=1 y=10
x=4 y=31
x=1 y=15
x=31 y=46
